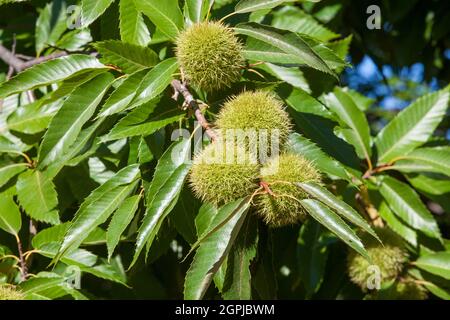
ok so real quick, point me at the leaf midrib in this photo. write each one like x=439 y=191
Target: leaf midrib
x=165 y=16
x=125 y=189
x=118 y=54
x=9 y=166
x=426 y=160
x=10 y=227
x=41 y=194
x=406 y=204
x=39 y=116
x=63 y=138
x=257 y=6
x=424 y=118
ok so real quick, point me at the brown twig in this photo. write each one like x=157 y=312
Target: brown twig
x=31 y=97
x=189 y=100
x=13 y=51
x=372 y=212
x=10 y=58
x=32 y=229
x=266 y=187
x=22 y=260
x=381 y=168
x=28 y=64
x=24 y=57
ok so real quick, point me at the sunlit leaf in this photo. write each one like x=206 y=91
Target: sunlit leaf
x=49 y=72
x=213 y=250
x=37 y=196
x=412 y=127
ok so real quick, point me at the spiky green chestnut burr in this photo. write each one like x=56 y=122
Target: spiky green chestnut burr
x=409 y=289
x=280 y=206
x=255 y=110
x=210 y=56
x=389 y=258
x=9 y=293
x=402 y=289
x=223 y=173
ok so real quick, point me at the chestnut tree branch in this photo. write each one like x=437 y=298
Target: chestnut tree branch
x=181 y=88
x=13 y=61
x=10 y=58
x=13 y=51
x=23 y=265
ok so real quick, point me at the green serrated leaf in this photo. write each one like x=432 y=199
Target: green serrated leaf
x=312 y=255
x=437 y=263
x=412 y=127
x=55 y=234
x=296 y=20
x=10 y=170
x=165 y=15
x=335 y=224
x=196 y=10
x=119 y=222
x=78 y=257
x=316 y=122
x=10 y=218
x=132 y=26
x=435 y=159
x=430 y=183
x=74 y=40
x=213 y=250
x=155 y=81
x=341 y=207
x=68 y=85
x=49 y=235
x=50 y=25
x=98 y=206
x=49 y=72
x=37 y=196
x=69 y=120
x=237 y=282
x=92 y=9
x=184 y=214
x=75 y=153
x=38 y=284
x=32 y=118
x=406 y=204
x=121 y=98
x=361 y=101
x=332 y=60
x=128 y=57
x=308 y=149
x=162 y=194
x=143 y=121
x=253 y=5
x=289 y=43
x=350 y=115
x=293 y=76
x=398 y=226
x=204 y=218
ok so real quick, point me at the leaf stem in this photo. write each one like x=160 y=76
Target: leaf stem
x=10 y=256
x=227 y=16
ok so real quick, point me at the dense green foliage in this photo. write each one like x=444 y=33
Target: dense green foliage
x=98 y=200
